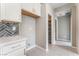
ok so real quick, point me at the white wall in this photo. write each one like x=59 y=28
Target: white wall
x=64 y=28
x=42 y=27
x=27 y=30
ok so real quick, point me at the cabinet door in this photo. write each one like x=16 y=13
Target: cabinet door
x=19 y=52
x=2 y=11
x=0 y=52
x=27 y=6
x=37 y=7
x=13 y=11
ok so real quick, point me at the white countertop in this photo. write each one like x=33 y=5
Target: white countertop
x=9 y=40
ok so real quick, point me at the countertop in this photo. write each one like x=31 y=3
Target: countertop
x=9 y=40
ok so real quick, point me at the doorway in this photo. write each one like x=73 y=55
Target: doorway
x=63 y=30
x=49 y=29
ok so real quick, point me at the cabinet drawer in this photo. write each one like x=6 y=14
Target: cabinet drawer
x=13 y=47
x=19 y=52
x=0 y=52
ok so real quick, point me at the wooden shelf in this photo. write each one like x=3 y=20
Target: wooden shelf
x=28 y=13
x=10 y=21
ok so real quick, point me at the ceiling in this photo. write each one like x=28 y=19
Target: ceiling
x=56 y=5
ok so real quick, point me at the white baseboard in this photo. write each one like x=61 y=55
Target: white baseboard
x=46 y=50
x=63 y=43
x=31 y=47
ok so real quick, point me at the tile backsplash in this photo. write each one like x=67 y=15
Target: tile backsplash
x=9 y=29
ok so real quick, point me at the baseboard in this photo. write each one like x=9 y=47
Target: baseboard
x=46 y=50
x=76 y=49
x=31 y=47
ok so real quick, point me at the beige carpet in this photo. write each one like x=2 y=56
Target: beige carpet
x=53 y=51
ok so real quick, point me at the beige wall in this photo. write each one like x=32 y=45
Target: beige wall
x=77 y=26
x=73 y=23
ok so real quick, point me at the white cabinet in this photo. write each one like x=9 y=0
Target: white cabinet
x=2 y=11
x=14 y=49
x=34 y=8
x=18 y=52
x=11 y=12
x=37 y=7
x=0 y=51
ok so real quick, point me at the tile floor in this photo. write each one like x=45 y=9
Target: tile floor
x=53 y=51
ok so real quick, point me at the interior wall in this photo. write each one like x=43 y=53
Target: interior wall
x=77 y=26
x=27 y=30
x=41 y=28
x=73 y=19
x=64 y=28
